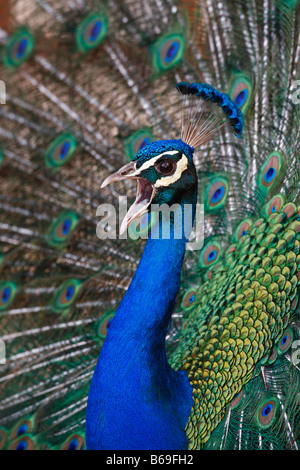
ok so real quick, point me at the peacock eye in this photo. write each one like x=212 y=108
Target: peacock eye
x=166 y=167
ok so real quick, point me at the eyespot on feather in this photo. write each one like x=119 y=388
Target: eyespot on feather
x=269 y=172
x=24 y=442
x=24 y=426
x=267 y=412
x=91 y=31
x=18 y=48
x=188 y=299
x=65 y=295
x=74 y=442
x=285 y=342
x=167 y=51
x=216 y=193
x=240 y=92
x=60 y=151
x=104 y=324
x=210 y=254
x=62 y=228
x=8 y=290
x=274 y=205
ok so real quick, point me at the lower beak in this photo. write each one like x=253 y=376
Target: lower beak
x=144 y=195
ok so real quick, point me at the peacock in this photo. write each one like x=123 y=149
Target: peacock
x=113 y=336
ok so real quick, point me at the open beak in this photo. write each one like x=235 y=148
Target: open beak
x=144 y=195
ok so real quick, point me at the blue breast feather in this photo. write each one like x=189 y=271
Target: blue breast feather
x=136 y=400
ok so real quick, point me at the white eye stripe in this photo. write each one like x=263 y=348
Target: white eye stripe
x=151 y=162
x=182 y=165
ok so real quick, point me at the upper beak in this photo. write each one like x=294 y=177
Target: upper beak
x=123 y=173
x=145 y=192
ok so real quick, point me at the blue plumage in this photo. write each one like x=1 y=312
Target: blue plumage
x=135 y=396
x=208 y=93
x=161 y=146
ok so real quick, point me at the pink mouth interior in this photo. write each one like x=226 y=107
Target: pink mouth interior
x=144 y=195
x=144 y=191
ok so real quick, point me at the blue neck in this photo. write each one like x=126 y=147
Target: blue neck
x=136 y=400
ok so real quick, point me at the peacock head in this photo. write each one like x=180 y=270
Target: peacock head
x=165 y=174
